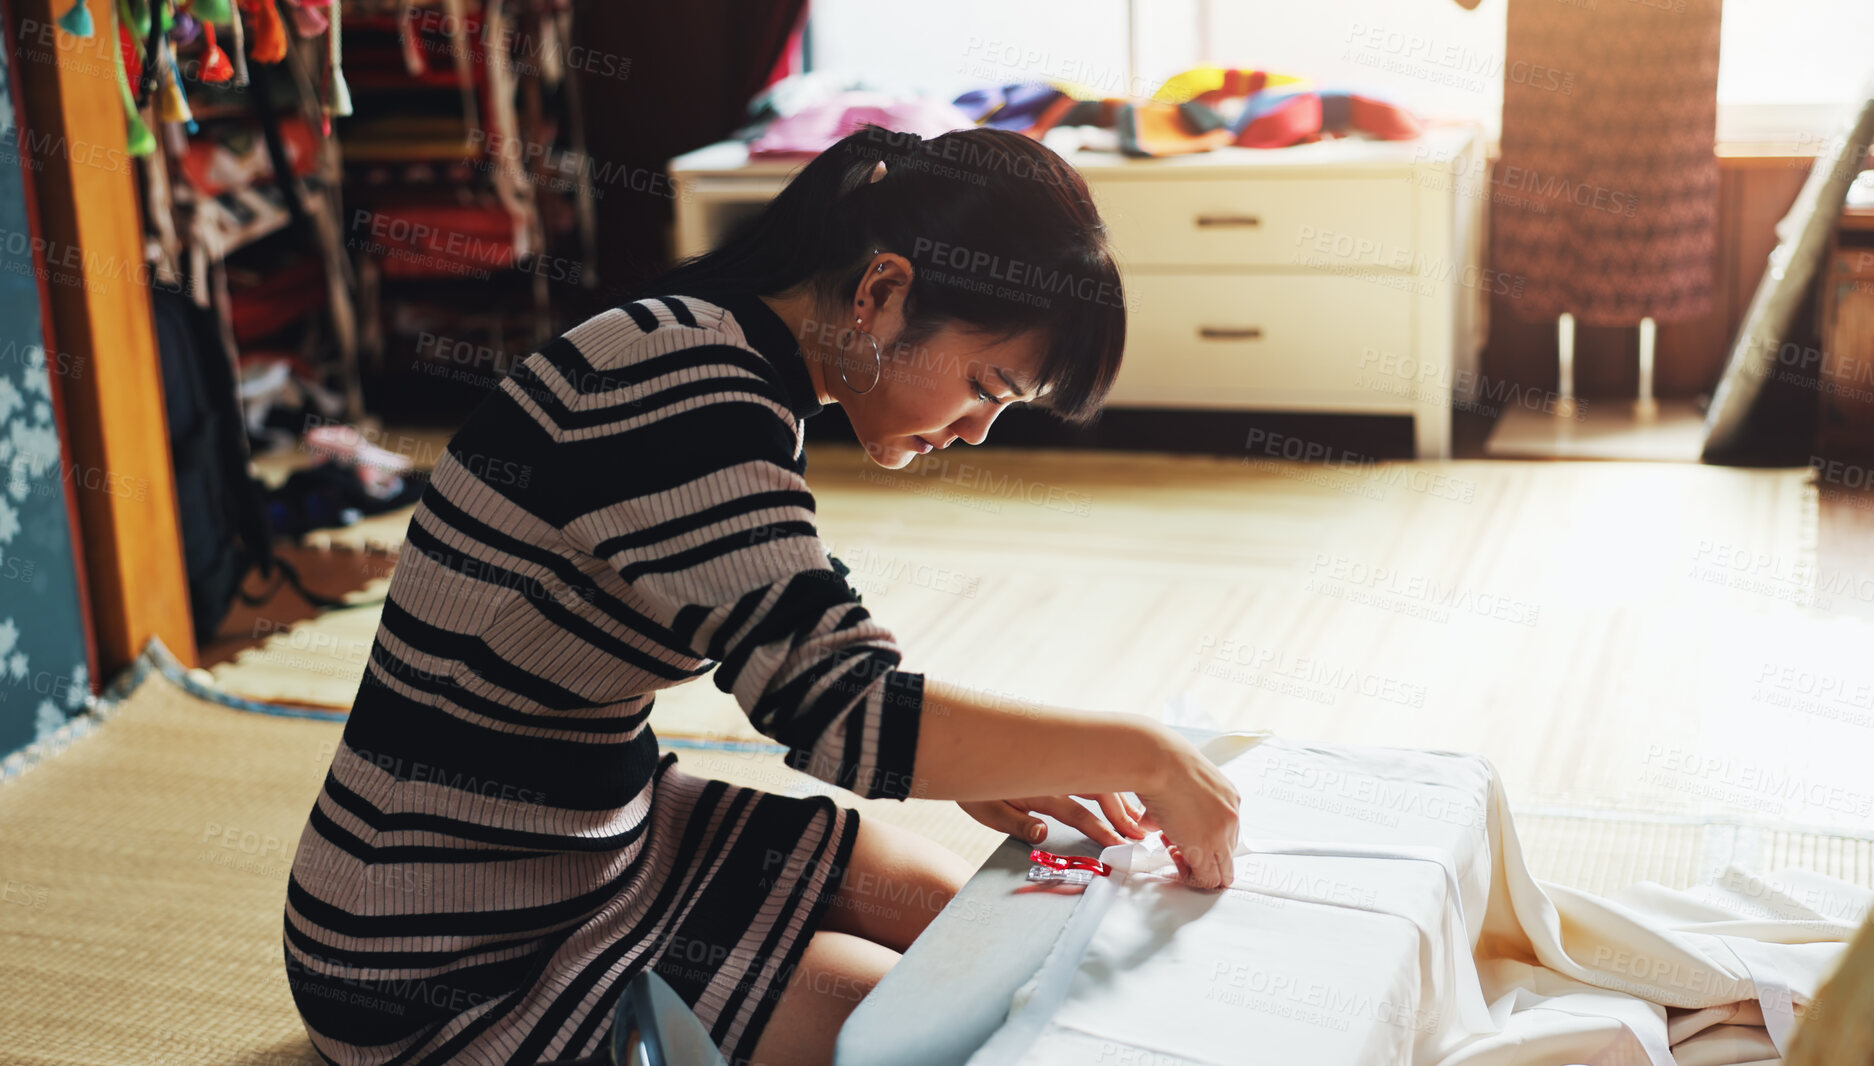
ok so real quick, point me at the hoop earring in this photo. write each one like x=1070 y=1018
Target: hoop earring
x=878 y=365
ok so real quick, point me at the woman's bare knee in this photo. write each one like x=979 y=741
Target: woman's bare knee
x=894 y=884
x=836 y=971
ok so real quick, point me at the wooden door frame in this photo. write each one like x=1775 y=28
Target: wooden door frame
x=88 y=243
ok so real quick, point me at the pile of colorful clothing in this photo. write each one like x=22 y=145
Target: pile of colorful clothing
x=1196 y=111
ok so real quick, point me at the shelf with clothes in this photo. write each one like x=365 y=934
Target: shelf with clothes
x=224 y=178
x=457 y=168
x=512 y=128
x=408 y=62
x=443 y=353
x=228 y=107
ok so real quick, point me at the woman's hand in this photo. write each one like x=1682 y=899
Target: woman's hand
x=1195 y=806
x=1016 y=817
x=972 y=750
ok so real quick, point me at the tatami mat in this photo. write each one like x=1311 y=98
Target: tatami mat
x=1147 y=556
x=379 y=533
x=146 y=866
x=146 y=851
x=1608 y=634
x=1643 y=651
x=1637 y=635
x=1606 y=852
x=318 y=662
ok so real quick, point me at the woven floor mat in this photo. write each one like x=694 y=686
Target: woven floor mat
x=146 y=862
x=145 y=851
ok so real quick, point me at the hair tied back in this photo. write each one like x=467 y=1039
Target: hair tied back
x=903 y=144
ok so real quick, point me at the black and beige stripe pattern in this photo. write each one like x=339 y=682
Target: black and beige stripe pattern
x=498 y=847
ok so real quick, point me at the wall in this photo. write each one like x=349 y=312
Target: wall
x=1785 y=70
x=1788 y=69
x=44 y=670
x=1434 y=57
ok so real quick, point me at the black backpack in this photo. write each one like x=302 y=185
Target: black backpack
x=222 y=509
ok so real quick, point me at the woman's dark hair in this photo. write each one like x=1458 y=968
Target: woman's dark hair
x=1001 y=233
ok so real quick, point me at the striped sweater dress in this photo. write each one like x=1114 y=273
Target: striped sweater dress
x=498 y=847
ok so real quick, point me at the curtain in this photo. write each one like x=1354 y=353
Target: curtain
x=1606 y=197
x=693 y=66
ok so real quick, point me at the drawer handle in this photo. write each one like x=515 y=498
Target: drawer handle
x=1228 y=220
x=1221 y=333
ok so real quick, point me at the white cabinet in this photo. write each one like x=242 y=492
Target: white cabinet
x=1197 y=219
x=1344 y=276
x=1288 y=341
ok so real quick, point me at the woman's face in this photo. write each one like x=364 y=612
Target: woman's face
x=948 y=386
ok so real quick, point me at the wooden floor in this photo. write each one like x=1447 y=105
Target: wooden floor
x=1680 y=644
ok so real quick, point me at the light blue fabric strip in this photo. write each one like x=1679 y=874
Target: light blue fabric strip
x=1049 y=988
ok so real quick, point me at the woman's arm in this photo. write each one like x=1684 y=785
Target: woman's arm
x=972 y=748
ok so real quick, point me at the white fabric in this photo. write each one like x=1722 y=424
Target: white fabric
x=1382 y=913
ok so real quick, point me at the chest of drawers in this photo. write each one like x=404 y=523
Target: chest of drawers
x=1344 y=276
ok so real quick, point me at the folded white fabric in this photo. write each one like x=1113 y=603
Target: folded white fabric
x=1382 y=913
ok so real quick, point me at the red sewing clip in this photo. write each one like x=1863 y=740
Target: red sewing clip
x=1065 y=869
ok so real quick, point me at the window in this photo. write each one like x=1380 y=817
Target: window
x=1788 y=69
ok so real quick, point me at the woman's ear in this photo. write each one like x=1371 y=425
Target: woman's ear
x=882 y=290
